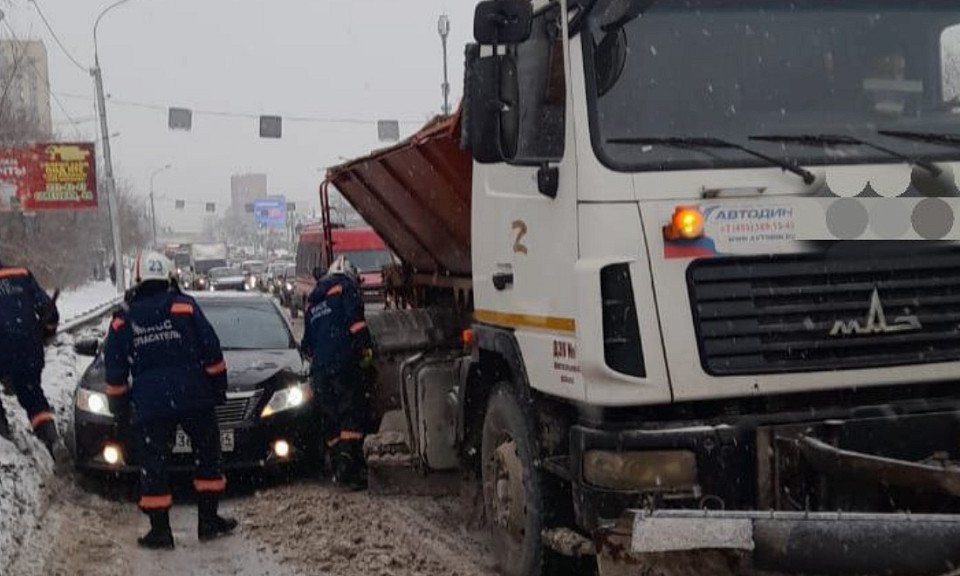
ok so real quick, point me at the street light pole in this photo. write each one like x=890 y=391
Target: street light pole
x=443 y=26
x=153 y=206
x=107 y=156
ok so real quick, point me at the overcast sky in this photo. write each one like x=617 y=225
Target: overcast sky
x=330 y=59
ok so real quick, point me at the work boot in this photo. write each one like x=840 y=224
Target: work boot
x=160 y=536
x=211 y=525
x=348 y=473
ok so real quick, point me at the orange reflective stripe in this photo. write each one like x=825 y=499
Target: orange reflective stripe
x=182 y=308
x=11 y=272
x=40 y=419
x=348 y=435
x=338 y=289
x=156 y=502
x=116 y=389
x=204 y=485
x=117 y=324
x=217 y=369
x=357 y=326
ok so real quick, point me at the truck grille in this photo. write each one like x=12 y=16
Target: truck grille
x=803 y=313
x=237 y=409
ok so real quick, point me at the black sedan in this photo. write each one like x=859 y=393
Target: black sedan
x=266 y=421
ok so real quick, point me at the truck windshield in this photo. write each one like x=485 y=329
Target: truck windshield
x=740 y=70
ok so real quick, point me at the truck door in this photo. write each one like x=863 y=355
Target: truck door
x=525 y=242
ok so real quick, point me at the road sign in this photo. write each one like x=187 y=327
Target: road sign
x=270 y=213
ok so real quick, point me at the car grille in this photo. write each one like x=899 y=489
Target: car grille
x=804 y=313
x=237 y=409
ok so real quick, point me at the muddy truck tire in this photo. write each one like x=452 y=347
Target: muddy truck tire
x=513 y=494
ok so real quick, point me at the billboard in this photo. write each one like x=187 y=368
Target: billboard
x=54 y=176
x=270 y=213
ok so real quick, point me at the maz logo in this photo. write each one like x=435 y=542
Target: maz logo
x=876 y=322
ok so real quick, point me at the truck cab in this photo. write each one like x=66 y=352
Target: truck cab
x=713 y=266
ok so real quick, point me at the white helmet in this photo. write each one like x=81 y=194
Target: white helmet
x=343 y=267
x=152 y=266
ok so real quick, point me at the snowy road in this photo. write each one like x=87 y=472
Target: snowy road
x=51 y=526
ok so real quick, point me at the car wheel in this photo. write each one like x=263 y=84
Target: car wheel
x=512 y=487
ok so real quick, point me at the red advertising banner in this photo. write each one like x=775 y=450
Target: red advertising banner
x=55 y=176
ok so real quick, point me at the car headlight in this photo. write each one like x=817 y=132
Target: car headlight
x=289 y=287
x=287 y=399
x=93 y=402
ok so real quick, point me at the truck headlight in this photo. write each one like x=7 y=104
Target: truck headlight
x=93 y=402
x=666 y=470
x=287 y=399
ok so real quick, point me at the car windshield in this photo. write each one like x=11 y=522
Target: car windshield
x=369 y=260
x=181 y=260
x=254 y=267
x=247 y=325
x=218 y=273
x=733 y=70
x=290 y=271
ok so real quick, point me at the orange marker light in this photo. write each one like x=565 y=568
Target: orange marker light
x=467 y=337
x=686 y=224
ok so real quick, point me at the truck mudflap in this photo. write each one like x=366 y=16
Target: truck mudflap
x=688 y=542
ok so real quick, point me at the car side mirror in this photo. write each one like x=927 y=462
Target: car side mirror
x=498 y=22
x=87 y=347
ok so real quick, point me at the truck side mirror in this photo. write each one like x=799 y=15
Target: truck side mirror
x=493 y=123
x=498 y=22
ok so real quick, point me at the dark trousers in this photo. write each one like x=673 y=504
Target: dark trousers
x=156 y=438
x=343 y=407
x=24 y=377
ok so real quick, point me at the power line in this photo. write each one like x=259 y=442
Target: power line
x=36 y=4
x=50 y=91
x=243 y=115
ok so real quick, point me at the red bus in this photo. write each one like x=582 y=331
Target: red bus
x=361 y=246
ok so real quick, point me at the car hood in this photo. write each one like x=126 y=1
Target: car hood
x=248 y=369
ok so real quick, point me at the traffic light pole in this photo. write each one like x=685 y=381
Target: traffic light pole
x=108 y=176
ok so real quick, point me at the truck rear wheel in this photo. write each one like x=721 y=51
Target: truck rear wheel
x=512 y=487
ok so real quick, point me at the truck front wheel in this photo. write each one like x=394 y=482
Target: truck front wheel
x=512 y=488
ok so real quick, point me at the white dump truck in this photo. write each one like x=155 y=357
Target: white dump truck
x=680 y=285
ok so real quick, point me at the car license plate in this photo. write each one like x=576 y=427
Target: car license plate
x=182 y=444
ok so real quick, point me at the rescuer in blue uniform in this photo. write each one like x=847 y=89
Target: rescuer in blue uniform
x=161 y=338
x=337 y=342
x=28 y=317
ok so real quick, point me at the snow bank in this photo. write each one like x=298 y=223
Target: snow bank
x=25 y=466
x=75 y=302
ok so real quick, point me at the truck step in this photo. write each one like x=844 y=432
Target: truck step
x=387 y=449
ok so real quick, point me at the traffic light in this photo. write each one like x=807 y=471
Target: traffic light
x=180 y=204
x=271 y=127
x=211 y=207
x=180 y=119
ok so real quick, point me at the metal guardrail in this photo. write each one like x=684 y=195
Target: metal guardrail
x=89 y=316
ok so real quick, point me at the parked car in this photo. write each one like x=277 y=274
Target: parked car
x=266 y=421
x=226 y=279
